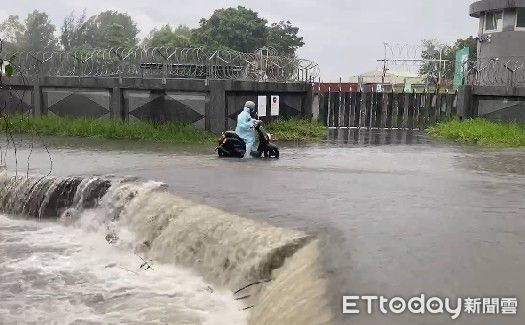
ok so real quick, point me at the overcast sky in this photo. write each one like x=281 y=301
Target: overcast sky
x=344 y=36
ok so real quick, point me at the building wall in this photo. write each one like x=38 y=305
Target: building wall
x=503 y=45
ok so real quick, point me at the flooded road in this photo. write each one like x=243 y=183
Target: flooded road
x=397 y=213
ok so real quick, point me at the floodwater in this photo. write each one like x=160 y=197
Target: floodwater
x=397 y=214
x=53 y=274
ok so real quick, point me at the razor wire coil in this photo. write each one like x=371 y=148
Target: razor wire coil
x=508 y=71
x=167 y=62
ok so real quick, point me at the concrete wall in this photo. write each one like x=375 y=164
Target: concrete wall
x=496 y=103
x=208 y=104
x=506 y=44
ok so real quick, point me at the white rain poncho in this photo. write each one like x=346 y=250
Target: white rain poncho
x=245 y=130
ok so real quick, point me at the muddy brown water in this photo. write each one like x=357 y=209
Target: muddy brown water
x=398 y=214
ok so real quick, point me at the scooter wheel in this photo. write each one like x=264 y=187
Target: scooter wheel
x=276 y=153
x=220 y=152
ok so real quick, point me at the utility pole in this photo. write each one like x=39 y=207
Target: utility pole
x=439 y=69
x=384 y=67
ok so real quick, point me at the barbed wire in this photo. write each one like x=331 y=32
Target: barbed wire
x=167 y=62
x=507 y=71
x=402 y=51
x=407 y=60
x=502 y=71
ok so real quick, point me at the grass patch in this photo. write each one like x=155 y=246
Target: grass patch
x=172 y=132
x=297 y=129
x=482 y=132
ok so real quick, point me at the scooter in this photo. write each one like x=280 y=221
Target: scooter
x=231 y=145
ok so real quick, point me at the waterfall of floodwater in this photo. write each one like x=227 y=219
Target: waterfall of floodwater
x=228 y=251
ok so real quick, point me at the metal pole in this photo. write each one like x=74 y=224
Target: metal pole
x=384 y=67
x=439 y=69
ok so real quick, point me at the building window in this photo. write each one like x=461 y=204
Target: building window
x=493 y=21
x=520 y=18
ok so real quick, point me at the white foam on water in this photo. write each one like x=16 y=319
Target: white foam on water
x=55 y=274
x=94 y=266
x=226 y=249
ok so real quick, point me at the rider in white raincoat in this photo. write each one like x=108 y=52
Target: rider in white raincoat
x=245 y=128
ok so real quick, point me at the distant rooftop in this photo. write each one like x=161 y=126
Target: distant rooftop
x=391 y=77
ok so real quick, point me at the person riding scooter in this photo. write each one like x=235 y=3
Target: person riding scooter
x=245 y=126
x=240 y=143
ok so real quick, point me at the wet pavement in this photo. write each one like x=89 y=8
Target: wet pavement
x=398 y=213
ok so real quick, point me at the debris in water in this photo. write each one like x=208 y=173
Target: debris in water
x=251 y=284
x=111 y=238
x=145 y=265
x=243 y=297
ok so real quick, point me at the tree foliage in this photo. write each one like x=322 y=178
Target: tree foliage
x=74 y=31
x=433 y=50
x=39 y=33
x=242 y=29
x=471 y=43
x=168 y=36
x=36 y=33
x=11 y=31
x=239 y=29
x=284 y=38
x=105 y=30
x=112 y=29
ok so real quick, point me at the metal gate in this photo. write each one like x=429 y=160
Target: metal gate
x=385 y=110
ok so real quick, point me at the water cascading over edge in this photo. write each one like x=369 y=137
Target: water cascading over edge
x=227 y=250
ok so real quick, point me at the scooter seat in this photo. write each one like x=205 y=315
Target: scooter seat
x=231 y=134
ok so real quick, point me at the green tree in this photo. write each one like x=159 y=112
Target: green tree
x=283 y=37
x=105 y=30
x=39 y=33
x=168 y=36
x=113 y=29
x=433 y=50
x=238 y=29
x=74 y=31
x=471 y=43
x=11 y=33
x=115 y=35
